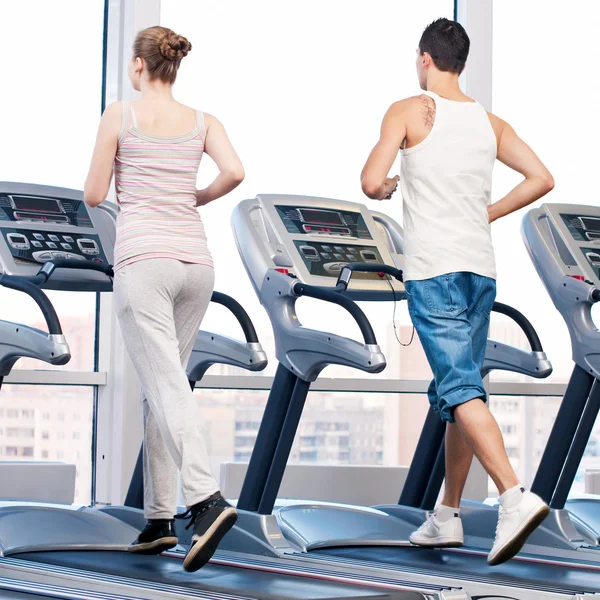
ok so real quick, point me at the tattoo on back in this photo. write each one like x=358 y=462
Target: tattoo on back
x=427 y=111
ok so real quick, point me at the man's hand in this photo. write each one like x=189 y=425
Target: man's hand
x=390 y=185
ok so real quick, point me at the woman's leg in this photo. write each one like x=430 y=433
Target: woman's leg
x=146 y=292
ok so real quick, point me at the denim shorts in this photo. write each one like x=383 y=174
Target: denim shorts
x=451 y=314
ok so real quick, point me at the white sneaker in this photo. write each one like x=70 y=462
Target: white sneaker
x=437 y=534
x=515 y=525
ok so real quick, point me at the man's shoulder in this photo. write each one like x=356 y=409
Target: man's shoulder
x=410 y=103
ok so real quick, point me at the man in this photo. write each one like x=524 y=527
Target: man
x=449 y=144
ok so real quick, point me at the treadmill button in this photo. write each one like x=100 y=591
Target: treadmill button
x=351 y=250
x=338 y=249
x=334 y=268
x=72 y=256
x=36 y=244
x=68 y=239
x=42 y=256
x=51 y=245
x=38 y=236
x=339 y=256
x=351 y=257
x=66 y=246
x=326 y=255
x=59 y=255
x=53 y=237
x=326 y=248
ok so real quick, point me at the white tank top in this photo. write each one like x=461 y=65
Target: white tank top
x=446 y=184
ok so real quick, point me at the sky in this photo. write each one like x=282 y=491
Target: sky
x=301 y=89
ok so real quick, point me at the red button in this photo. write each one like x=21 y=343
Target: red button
x=284 y=271
x=578 y=277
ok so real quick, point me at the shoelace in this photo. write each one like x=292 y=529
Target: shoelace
x=194 y=512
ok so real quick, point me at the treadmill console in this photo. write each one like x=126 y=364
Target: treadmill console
x=40 y=223
x=578 y=242
x=313 y=238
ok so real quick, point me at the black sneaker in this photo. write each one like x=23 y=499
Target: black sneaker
x=211 y=520
x=158 y=535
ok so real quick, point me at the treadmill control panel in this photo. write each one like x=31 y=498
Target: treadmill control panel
x=311 y=220
x=327 y=260
x=41 y=223
x=312 y=239
x=29 y=245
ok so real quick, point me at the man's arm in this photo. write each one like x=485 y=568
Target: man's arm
x=375 y=182
x=516 y=154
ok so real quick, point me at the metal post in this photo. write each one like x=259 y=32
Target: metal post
x=284 y=447
x=266 y=441
x=563 y=434
x=584 y=431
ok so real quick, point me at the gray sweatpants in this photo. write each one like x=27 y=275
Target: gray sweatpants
x=160 y=304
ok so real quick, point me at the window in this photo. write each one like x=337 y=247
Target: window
x=29 y=439
x=55 y=158
x=315 y=83
x=324 y=435
x=528 y=428
x=572 y=163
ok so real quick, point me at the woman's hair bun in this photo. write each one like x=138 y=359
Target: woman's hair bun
x=174 y=47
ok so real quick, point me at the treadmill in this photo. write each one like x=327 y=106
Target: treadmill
x=339 y=251
x=81 y=552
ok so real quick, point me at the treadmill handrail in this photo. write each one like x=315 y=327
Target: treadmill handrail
x=334 y=296
x=523 y=322
x=21 y=284
x=347 y=270
x=50 y=266
x=239 y=312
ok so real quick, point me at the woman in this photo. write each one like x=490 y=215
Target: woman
x=164 y=279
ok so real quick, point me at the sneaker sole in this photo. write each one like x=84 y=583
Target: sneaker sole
x=203 y=547
x=439 y=543
x=513 y=547
x=155 y=547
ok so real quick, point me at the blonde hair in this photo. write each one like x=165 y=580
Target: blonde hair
x=162 y=50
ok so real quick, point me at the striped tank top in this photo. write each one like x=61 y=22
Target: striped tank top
x=155 y=180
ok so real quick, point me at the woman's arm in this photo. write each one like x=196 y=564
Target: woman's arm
x=219 y=148
x=97 y=182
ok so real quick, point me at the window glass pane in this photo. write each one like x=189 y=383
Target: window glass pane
x=301 y=89
x=48 y=136
x=526 y=423
x=49 y=423
x=529 y=100
x=337 y=428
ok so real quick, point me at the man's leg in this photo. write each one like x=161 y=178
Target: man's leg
x=520 y=512
x=482 y=437
x=459 y=457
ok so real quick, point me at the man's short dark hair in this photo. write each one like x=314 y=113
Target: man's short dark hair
x=447 y=43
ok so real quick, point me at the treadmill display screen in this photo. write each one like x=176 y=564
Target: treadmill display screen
x=308 y=220
x=328 y=259
x=583 y=228
x=33 y=204
x=320 y=217
x=592 y=255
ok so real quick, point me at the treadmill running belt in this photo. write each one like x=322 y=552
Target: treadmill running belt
x=247 y=583
x=456 y=564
